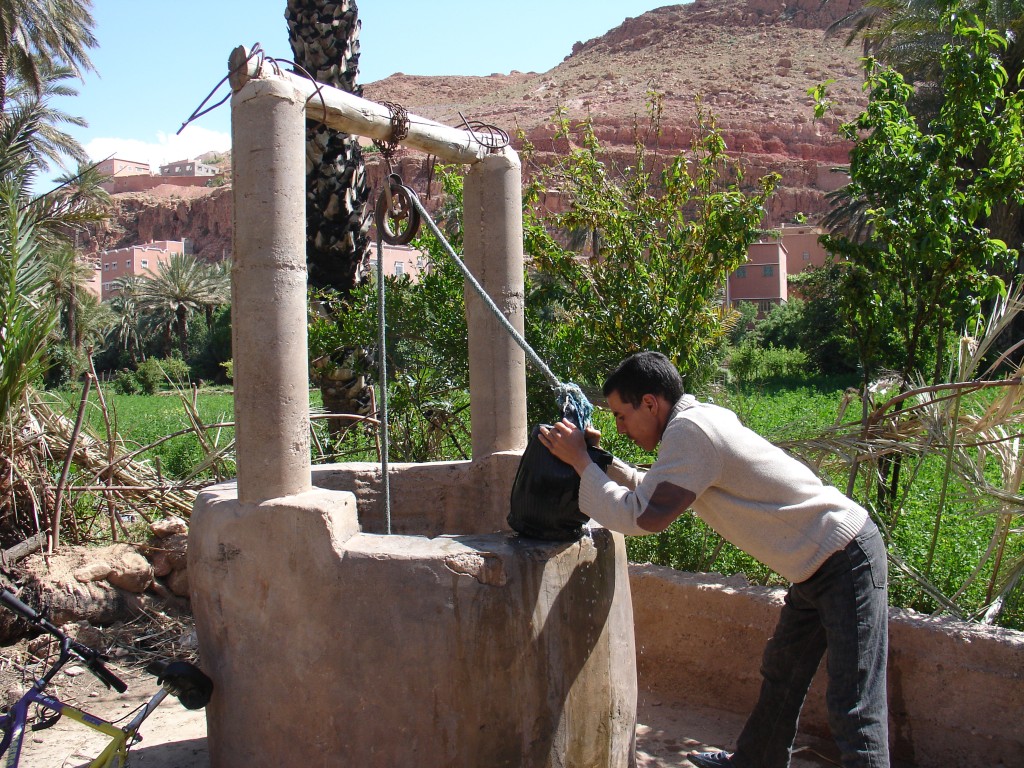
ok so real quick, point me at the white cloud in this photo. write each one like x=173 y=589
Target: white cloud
x=193 y=141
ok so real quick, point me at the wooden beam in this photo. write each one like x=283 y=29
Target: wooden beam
x=344 y=112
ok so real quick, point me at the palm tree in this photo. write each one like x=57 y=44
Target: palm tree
x=51 y=143
x=182 y=286
x=25 y=318
x=32 y=32
x=25 y=321
x=67 y=274
x=325 y=43
x=125 y=306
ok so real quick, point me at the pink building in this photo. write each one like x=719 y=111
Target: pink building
x=400 y=260
x=764 y=279
x=116 y=167
x=134 y=260
x=802 y=247
x=94 y=284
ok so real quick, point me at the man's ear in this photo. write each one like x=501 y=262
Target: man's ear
x=650 y=401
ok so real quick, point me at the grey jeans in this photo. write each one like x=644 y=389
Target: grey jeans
x=843 y=608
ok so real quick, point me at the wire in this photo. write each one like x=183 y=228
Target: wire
x=573 y=404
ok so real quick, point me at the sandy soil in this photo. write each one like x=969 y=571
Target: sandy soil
x=174 y=737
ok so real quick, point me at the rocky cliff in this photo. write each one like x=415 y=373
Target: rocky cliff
x=748 y=62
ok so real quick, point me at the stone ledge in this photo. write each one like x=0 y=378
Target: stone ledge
x=956 y=690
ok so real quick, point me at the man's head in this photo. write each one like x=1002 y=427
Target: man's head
x=641 y=393
x=645 y=373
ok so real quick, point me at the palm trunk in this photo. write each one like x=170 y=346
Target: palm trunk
x=3 y=79
x=324 y=37
x=182 y=329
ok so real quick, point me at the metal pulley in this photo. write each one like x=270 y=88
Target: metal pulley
x=396 y=216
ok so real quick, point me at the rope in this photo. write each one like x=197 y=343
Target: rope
x=383 y=366
x=572 y=403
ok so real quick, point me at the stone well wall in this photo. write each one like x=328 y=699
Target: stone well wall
x=450 y=642
x=956 y=691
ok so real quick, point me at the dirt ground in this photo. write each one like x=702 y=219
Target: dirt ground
x=174 y=737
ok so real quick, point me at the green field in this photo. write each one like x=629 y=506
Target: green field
x=786 y=414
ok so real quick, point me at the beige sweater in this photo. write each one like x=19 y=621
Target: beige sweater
x=751 y=492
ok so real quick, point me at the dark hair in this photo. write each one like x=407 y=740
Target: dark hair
x=645 y=373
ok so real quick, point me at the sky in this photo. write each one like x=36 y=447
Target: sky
x=157 y=60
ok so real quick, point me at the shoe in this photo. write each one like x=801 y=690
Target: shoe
x=711 y=759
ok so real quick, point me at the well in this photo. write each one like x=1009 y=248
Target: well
x=448 y=641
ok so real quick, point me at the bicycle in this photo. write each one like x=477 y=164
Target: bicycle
x=181 y=679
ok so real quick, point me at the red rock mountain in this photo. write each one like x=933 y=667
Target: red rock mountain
x=750 y=62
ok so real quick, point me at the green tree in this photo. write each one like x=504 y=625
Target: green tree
x=910 y=36
x=181 y=287
x=926 y=263
x=668 y=243
x=28 y=228
x=93 y=322
x=67 y=274
x=35 y=34
x=126 y=328
x=50 y=143
x=25 y=319
x=824 y=336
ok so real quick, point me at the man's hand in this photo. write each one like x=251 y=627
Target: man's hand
x=568 y=443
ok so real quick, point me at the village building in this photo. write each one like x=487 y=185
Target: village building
x=764 y=279
x=130 y=261
x=116 y=167
x=187 y=168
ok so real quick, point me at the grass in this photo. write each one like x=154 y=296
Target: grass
x=785 y=414
x=145 y=420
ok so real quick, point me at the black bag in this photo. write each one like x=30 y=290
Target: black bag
x=545 y=493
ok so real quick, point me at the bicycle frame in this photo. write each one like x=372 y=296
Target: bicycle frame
x=115 y=755
x=183 y=680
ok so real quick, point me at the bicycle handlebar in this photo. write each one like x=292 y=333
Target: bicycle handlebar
x=93 y=659
x=108 y=678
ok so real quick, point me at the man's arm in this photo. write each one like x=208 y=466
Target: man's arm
x=613 y=505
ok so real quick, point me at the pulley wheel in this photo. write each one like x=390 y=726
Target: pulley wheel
x=398 y=223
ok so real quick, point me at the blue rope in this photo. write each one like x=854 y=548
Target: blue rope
x=572 y=403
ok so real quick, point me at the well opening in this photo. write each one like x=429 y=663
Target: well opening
x=449 y=640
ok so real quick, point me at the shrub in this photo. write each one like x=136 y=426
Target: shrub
x=64 y=363
x=126 y=383
x=153 y=374
x=749 y=362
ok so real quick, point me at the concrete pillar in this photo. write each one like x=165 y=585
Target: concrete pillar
x=268 y=291
x=493 y=201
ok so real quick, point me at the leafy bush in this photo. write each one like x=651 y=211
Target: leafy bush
x=750 y=362
x=785 y=326
x=64 y=363
x=651 y=253
x=740 y=325
x=154 y=374
x=126 y=383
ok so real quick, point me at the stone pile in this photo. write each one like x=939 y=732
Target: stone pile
x=103 y=585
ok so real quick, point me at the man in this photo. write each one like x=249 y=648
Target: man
x=774 y=507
